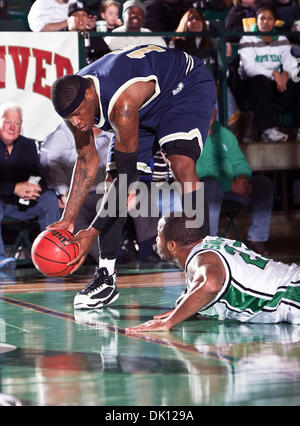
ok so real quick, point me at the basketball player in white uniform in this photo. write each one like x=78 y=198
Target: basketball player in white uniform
x=225 y=280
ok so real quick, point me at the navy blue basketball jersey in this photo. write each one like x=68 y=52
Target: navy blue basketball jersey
x=119 y=69
x=181 y=106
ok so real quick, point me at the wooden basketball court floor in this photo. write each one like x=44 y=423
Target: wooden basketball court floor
x=53 y=356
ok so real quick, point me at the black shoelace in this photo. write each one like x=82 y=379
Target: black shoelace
x=100 y=277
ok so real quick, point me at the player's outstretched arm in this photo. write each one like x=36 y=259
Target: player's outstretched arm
x=163 y=315
x=84 y=174
x=208 y=279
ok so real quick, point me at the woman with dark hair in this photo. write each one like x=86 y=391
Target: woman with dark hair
x=266 y=69
x=201 y=46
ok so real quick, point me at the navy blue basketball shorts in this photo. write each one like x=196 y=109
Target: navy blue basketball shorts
x=179 y=127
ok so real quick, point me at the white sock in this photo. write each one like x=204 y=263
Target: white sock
x=107 y=263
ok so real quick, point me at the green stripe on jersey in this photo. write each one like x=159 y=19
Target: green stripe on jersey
x=239 y=299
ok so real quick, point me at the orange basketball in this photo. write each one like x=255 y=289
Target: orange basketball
x=50 y=254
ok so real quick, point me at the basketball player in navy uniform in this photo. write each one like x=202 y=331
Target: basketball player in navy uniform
x=145 y=94
x=225 y=280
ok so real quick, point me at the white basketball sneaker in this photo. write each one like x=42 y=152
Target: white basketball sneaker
x=101 y=291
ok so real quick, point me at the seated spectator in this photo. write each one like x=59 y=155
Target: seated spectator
x=227 y=176
x=164 y=15
x=238 y=111
x=48 y=15
x=266 y=69
x=18 y=161
x=287 y=13
x=58 y=156
x=241 y=9
x=109 y=12
x=133 y=17
x=91 y=26
x=78 y=15
x=201 y=46
x=78 y=18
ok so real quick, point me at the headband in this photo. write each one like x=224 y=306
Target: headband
x=77 y=100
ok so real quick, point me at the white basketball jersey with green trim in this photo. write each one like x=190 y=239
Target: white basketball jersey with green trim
x=256 y=288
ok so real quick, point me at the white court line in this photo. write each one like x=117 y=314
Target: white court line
x=19 y=328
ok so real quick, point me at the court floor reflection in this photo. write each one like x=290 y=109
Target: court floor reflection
x=62 y=357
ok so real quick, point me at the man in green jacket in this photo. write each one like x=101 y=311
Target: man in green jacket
x=227 y=176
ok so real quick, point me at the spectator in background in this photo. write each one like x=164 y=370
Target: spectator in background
x=133 y=17
x=227 y=176
x=78 y=15
x=287 y=12
x=266 y=69
x=109 y=12
x=164 y=15
x=18 y=161
x=48 y=15
x=58 y=156
x=78 y=18
x=241 y=9
x=201 y=46
x=91 y=26
x=241 y=119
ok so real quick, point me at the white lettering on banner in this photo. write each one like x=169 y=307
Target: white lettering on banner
x=29 y=64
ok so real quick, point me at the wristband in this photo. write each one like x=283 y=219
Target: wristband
x=126 y=164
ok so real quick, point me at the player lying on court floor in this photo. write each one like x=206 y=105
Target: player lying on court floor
x=225 y=280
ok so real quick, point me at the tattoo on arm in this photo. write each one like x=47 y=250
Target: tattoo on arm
x=84 y=172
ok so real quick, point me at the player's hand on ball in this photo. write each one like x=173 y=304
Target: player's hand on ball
x=62 y=224
x=84 y=240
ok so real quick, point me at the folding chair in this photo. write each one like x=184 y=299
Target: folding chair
x=20 y=246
